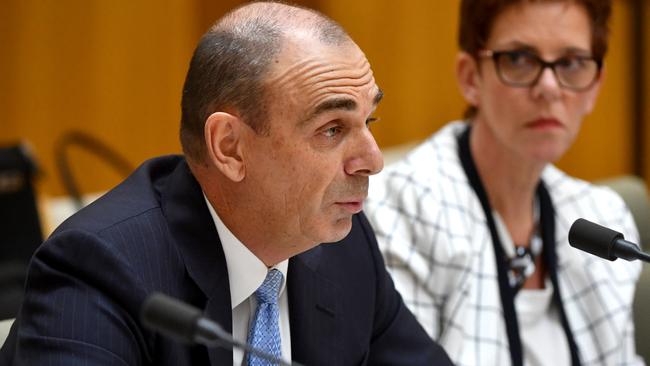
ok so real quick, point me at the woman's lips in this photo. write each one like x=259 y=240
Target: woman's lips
x=544 y=123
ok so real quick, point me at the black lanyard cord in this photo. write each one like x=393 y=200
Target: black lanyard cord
x=507 y=293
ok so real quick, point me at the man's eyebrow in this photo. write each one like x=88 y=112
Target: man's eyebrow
x=378 y=97
x=343 y=103
x=336 y=103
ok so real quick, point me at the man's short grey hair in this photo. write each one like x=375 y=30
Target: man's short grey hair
x=231 y=61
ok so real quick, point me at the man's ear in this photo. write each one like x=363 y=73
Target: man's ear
x=467 y=75
x=223 y=139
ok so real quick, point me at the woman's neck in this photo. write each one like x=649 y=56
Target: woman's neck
x=509 y=179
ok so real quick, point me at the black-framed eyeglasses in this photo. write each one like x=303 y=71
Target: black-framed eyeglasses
x=520 y=68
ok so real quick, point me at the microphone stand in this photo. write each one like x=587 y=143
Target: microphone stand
x=643 y=256
x=179 y=320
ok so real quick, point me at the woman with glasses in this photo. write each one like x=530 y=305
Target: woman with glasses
x=474 y=222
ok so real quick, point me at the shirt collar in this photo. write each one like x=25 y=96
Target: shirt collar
x=246 y=272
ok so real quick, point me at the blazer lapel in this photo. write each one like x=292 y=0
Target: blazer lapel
x=314 y=311
x=195 y=235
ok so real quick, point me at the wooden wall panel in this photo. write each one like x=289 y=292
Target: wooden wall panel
x=111 y=69
x=115 y=70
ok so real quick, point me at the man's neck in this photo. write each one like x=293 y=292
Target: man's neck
x=262 y=243
x=242 y=219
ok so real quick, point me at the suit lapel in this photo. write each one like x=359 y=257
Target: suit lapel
x=314 y=311
x=195 y=235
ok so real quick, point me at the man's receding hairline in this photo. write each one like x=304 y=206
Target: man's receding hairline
x=233 y=60
x=282 y=17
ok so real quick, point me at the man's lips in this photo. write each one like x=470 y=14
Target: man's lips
x=352 y=206
x=544 y=123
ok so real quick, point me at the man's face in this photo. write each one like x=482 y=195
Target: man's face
x=310 y=173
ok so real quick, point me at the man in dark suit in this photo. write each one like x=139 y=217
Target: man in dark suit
x=276 y=105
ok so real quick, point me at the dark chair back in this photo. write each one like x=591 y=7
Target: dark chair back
x=20 y=227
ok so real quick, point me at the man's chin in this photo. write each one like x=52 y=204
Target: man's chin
x=339 y=230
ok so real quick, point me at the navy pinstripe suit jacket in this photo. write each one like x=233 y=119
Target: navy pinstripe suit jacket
x=153 y=232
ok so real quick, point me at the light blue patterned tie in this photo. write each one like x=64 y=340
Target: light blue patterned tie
x=264 y=333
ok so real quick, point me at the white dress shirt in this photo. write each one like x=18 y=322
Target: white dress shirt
x=246 y=273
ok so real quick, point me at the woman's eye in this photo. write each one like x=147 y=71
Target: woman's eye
x=371 y=120
x=519 y=59
x=571 y=63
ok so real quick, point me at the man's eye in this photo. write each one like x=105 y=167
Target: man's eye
x=371 y=120
x=332 y=131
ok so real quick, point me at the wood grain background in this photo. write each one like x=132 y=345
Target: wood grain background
x=114 y=69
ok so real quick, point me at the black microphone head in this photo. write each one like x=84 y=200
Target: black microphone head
x=170 y=317
x=593 y=238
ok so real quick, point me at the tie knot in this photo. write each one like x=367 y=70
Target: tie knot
x=270 y=289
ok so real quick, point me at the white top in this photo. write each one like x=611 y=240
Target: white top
x=543 y=340
x=246 y=273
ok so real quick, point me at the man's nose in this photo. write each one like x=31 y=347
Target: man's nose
x=366 y=158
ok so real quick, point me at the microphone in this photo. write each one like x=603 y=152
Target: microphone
x=187 y=324
x=603 y=242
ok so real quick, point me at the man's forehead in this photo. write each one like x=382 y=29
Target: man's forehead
x=299 y=61
x=313 y=77
x=302 y=45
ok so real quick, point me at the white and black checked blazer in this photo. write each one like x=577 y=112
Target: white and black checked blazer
x=434 y=236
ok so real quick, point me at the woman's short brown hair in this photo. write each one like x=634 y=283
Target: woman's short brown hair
x=477 y=17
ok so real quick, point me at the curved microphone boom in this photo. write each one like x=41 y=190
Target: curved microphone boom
x=185 y=323
x=603 y=242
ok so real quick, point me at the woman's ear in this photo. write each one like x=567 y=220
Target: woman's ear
x=223 y=139
x=467 y=75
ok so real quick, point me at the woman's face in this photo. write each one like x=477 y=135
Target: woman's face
x=539 y=122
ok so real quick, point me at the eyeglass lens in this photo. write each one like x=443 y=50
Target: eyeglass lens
x=524 y=68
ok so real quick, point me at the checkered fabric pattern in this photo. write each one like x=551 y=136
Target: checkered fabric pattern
x=264 y=333
x=438 y=248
